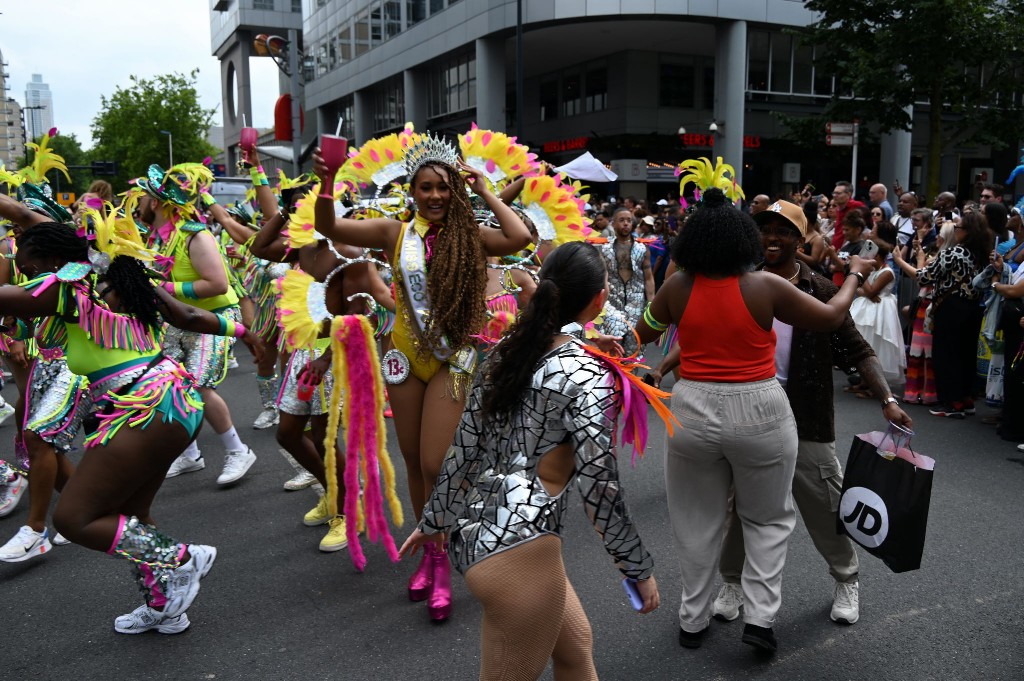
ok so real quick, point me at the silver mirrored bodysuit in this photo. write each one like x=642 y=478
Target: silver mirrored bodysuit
x=489 y=495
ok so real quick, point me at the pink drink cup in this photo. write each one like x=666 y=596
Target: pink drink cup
x=247 y=140
x=333 y=150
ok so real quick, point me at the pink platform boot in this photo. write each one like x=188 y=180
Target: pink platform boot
x=440 y=602
x=423 y=578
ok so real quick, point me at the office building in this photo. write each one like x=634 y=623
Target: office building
x=38 y=107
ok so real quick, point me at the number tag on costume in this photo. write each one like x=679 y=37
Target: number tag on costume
x=395 y=366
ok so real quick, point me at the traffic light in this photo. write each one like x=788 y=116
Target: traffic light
x=104 y=167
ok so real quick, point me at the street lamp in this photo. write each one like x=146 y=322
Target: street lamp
x=170 y=147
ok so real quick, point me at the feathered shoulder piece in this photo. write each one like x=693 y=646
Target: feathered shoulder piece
x=115 y=230
x=636 y=395
x=44 y=160
x=495 y=154
x=382 y=159
x=555 y=209
x=701 y=173
x=13 y=180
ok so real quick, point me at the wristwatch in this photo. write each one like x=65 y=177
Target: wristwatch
x=889 y=400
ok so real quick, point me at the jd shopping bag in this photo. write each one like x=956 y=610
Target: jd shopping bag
x=884 y=504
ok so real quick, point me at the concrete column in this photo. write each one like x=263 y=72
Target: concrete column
x=415 y=94
x=364 y=116
x=490 y=83
x=730 y=93
x=895 y=160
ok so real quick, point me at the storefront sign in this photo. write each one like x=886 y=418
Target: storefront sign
x=573 y=144
x=693 y=139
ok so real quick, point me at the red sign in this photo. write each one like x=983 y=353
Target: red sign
x=693 y=139
x=566 y=145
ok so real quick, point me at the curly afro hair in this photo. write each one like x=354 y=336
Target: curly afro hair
x=719 y=240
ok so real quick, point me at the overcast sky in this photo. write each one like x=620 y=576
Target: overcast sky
x=87 y=48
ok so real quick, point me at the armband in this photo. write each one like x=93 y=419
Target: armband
x=231 y=328
x=652 y=322
x=258 y=176
x=181 y=289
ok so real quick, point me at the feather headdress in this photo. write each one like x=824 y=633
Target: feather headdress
x=701 y=173
x=382 y=159
x=496 y=155
x=555 y=209
x=45 y=160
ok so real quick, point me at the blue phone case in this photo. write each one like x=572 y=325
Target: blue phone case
x=634 y=595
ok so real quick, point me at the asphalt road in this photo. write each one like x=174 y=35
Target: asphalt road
x=274 y=607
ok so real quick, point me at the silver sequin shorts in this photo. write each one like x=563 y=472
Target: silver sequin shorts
x=203 y=355
x=288 y=400
x=57 y=402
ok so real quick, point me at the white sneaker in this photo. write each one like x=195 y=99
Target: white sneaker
x=236 y=464
x=60 y=540
x=26 y=544
x=232 y=361
x=727 y=606
x=267 y=419
x=183 y=583
x=10 y=494
x=846 y=604
x=302 y=480
x=145 y=618
x=185 y=464
x=6 y=412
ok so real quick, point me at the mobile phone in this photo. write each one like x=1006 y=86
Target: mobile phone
x=949 y=216
x=635 y=599
x=869 y=250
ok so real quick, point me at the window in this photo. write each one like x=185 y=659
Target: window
x=824 y=84
x=376 y=25
x=297 y=6
x=347 y=112
x=362 y=34
x=436 y=6
x=782 y=62
x=757 y=66
x=263 y=4
x=392 y=18
x=415 y=11
x=803 y=69
x=549 y=100
x=708 y=101
x=597 y=89
x=345 y=43
x=388 y=105
x=572 y=94
x=677 y=82
x=452 y=85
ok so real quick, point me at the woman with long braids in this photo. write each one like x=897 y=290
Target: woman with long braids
x=541 y=416
x=146 y=409
x=439 y=267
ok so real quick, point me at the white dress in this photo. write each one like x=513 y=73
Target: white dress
x=879 y=323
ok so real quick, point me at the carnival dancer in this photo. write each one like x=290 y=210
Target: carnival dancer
x=737 y=426
x=197 y=275
x=334 y=273
x=542 y=416
x=146 y=409
x=439 y=268
x=630 y=278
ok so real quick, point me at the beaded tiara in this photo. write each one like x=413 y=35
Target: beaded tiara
x=430 y=148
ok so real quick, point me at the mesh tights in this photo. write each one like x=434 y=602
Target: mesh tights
x=531 y=615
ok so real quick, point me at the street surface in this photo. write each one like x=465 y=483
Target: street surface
x=274 y=607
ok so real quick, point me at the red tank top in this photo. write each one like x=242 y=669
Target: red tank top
x=719 y=341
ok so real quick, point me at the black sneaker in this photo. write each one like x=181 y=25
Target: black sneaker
x=692 y=639
x=762 y=638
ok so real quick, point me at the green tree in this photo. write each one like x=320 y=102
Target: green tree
x=954 y=60
x=70 y=148
x=127 y=128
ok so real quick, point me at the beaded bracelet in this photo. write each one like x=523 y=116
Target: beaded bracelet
x=651 y=321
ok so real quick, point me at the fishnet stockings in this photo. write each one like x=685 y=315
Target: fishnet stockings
x=531 y=615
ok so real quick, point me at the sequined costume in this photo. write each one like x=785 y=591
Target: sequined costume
x=405 y=334
x=204 y=356
x=57 y=401
x=628 y=297
x=489 y=496
x=288 y=399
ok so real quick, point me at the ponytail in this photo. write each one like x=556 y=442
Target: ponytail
x=569 y=279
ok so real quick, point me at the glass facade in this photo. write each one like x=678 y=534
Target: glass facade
x=451 y=85
x=777 y=66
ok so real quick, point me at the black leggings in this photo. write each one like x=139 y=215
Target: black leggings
x=955 y=349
